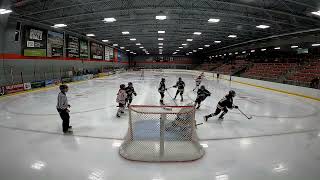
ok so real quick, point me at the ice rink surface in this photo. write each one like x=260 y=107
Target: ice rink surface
x=281 y=141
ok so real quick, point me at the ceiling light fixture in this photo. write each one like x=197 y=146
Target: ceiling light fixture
x=189 y=40
x=263 y=26
x=161 y=17
x=207 y=45
x=213 y=20
x=316 y=13
x=90 y=35
x=294 y=47
x=109 y=20
x=197 y=33
x=125 y=32
x=217 y=42
x=315 y=45
x=160 y=44
x=232 y=36
x=105 y=40
x=133 y=39
x=138 y=44
x=277 y=48
x=59 y=25
x=183 y=44
x=161 y=32
x=5 y=11
x=160 y=39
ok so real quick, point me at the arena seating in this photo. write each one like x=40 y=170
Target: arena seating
x=232 y=68
x=305 y=74
x=268 y=71
x=208 y=67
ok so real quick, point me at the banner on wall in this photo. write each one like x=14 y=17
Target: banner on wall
x=108 y=53
x=115 y=55
x=35 y=42
x=84 y=49
x=2 y=91
x=72 y=47
x=14 y=88
x=55 y=44
x=96 y=51
x=27 y=86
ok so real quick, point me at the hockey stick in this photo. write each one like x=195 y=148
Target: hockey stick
x=249 y=117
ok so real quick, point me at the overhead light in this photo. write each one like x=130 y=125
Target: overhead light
x=316 y=13
x=90 y=35
x=160 y=47
x=161 y=17
x=263 y=49
x=187 y=54
x=294 y=47
x=59 y=25
x=5 y=11
x=253 y=51
x=277 y=48
x=183 y=44
x=108 y=20
x=220 y=55
x=160 y=44
x=141 y=47
x=236 y=53
x=225 y=54
x=207 y=45
x=230 y=54
x=177 y=50
x=189 y=40
x=161 y=32
x=217 y=42
x=200 y=48
x=133 y=39
x=243 y=52
x=122 y=47
x=105 y=40
x=315 y=45
x=194 y=50
x=213 y=20
x=263 y=26
x=160 y=39
x=138 y=44
x=128 y=50
x=232 y=36
x=180 y=47
x=115 y=44
x=190 y=52
x=125 y=32
x=197 y=33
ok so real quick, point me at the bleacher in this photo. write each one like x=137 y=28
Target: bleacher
x=208 y=66
x=268 y=71
x=231 y=68
x=305 y=74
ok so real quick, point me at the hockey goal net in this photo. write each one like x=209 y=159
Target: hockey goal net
x=161 y=134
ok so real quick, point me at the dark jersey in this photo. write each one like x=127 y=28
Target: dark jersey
x=162 y=87
x=203 y=93
x=130 y=91
x=180 y=84
x=227 y=101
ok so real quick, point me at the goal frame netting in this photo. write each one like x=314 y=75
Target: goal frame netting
x=161 y=134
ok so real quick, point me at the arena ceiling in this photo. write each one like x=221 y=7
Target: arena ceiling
x=184 y=17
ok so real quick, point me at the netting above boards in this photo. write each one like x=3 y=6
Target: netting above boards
x=161 y=134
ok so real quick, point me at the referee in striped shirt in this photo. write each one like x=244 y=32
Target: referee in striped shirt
x=62 y=107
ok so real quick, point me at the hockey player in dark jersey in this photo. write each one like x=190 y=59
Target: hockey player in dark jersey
x=130 y=91
x=162 y=88
x=202 y=94
x=223 y=105
x=180 y=85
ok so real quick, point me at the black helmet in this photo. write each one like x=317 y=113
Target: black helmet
x=202 y=87
x=180 y=79
x=63 y=86
x=232 y=93
x=129 y=83
x=163 y=79
x=122 y=86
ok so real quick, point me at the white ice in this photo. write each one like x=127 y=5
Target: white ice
x=282 y=141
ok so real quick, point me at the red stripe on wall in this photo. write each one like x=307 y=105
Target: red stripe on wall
x=20 y=57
